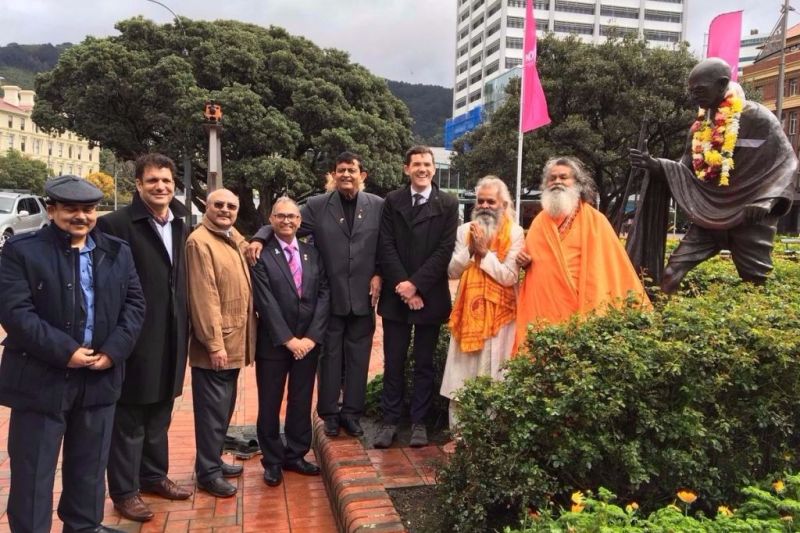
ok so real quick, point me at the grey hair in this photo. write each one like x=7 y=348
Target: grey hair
x=284 y=200
x=502 y=190
x=582 y=177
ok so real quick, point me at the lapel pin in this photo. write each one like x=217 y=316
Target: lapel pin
x=277 y=251
x=341 y=220
x=305 y=257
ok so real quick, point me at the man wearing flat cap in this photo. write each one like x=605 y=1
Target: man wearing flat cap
x=72 y=307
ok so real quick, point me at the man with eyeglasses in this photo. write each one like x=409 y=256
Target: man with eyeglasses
x=291 y=295
x=222 y=339
x=482 y=319
x=345 y=223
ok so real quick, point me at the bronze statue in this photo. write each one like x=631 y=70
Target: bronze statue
x=734 y=181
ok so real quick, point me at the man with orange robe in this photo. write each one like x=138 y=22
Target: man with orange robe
x=577 y=263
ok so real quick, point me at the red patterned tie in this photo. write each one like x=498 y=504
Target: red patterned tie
x=294 y=268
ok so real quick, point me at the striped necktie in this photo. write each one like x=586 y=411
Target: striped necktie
x=294 y=268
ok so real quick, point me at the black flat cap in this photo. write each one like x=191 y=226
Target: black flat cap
x=71 y=190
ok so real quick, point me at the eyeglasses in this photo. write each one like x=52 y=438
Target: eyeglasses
x=230 y=206
x=285 y=216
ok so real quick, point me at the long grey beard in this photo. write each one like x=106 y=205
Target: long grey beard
x=487 y=222
x=560 y=202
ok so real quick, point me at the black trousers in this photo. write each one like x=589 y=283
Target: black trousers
x=213 y=399
x=348 y=345
x=396 y=340
x=34 y=440
x=139 y=447
x=271 y=375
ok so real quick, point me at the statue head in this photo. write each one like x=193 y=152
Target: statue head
x=708 y=82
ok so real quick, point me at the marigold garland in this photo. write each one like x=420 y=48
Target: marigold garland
x=713 y=142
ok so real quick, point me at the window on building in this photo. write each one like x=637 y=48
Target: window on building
x=617 y=31
x=476 y=95
x=660 y=35
x=477 y=40
x=793 y=123
x=462 y=68
x=49 y=147
x=515 y=22
x=577 y=28
x=477 y=4
x=516 y=3
x=22 y=124
x=461 y=102
x=663 y=16
x=10 y=121
x=475 y=59
x=492 y=48
x=494 y=9
x=477 y=23
x=80 y=152
x=792 y=89
x=475 y=78
x=512 y=62
x=463 y=50
x=60 y=149
x=69 y=151
x=461 y=86
x=10 y=141
x=619 y=12
x=464 y=16
x=463 y=33
x=494 y=29
x=90 y=155
x=514 y=42
x=539 y=5
x=574 y=7
x=491 y=69
x=22 y=142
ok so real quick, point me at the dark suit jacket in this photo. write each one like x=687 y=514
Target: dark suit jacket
x=43 y=313
x=157 y=365
x=350 y=257
x=282 y=314
x=419 y=250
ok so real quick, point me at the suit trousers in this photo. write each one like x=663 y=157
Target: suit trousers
x=34 y=440
x=271 y=375
x=396 y=340
x=348 y=345
x=139 y=447
x=213 y=399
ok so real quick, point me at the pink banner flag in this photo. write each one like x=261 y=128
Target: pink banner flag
x=724 y=39
x=534 y=106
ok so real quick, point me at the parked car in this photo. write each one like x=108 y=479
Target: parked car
x=20 y=212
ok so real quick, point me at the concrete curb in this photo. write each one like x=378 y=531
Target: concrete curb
x=358 y=498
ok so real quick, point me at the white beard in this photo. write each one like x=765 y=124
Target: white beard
x=487 y=222
x=559 y=203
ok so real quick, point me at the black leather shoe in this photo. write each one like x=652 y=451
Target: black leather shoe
x=273 y=475
x=231 y=470
x=218 y=487
x=332 y=426
x=106 y=529
x=352 y=427
x=301 y=466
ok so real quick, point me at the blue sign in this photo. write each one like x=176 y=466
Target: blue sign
x=457 y=126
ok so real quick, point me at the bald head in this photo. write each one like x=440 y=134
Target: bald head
x=222 y=207
x=708 y=82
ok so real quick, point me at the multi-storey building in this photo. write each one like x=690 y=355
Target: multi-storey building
x=749 y=49
x=65 y=153
x=489 y=33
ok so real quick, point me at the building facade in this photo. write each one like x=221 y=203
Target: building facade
x=65 y=153
x=489 y=33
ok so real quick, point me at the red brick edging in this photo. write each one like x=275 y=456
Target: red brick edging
x=359 y=500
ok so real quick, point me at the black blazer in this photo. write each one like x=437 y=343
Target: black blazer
x=43 y=314
x=157 y=365
x=350 y=257
x=282 y=314
x=417 y=249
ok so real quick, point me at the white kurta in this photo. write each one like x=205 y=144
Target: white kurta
x=462 y=366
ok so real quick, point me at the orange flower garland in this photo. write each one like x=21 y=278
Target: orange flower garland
x=713 y=142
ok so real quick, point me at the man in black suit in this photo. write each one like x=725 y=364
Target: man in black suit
x=290 y=292
x=72 y=307
x=345 y=224
x=418 y=235
x=154 y=373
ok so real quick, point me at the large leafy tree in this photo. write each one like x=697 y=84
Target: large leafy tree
x=20 y=172
x=289 y=107
x=597 y=98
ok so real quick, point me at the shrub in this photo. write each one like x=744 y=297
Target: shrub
x=699 y=393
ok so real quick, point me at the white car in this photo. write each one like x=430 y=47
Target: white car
x=20 y=212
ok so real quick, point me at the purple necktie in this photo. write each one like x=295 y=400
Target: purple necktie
x=294 y=268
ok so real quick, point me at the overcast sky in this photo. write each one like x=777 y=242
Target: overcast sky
x=407 y=40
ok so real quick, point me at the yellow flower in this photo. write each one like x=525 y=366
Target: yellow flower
x=705 y=135
x=578 y=498
x=713 y=158
x=687 y=496
x=631 y=507
x=737 y=105
x=577 y=508
x=779 y=486
x=724 y=510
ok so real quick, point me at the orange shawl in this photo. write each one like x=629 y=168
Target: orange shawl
x=483 y=306
x=606 y=276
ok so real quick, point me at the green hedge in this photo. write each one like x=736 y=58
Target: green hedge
x=701 y=393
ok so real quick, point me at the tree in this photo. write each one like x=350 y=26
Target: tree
x=104 y=182
x=19 y=172
x=289 y=107
x=597 y=97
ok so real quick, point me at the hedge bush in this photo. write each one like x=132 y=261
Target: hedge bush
x=700 y=393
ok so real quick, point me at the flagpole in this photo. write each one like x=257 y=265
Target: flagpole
x=518 y=197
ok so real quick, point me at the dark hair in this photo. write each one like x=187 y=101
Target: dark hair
x=156 y=160
x=418 y=149
x=349 y=157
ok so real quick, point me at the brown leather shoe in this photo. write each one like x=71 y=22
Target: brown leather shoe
x=133 y=508
x=166 y=488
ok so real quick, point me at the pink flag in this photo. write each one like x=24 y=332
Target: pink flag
x=534 y=106
x=724 y=39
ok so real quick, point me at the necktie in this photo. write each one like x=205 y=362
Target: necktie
x=294 y=268
x=417 y=199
